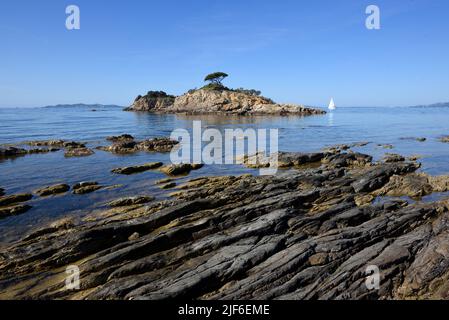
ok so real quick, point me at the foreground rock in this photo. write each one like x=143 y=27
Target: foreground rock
x=308 y=233
x=137 y=169
x=217 y=101
x=56 y=189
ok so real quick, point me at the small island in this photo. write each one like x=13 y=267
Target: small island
x=217 y=98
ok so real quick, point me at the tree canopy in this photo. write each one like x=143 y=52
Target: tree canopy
x=216 y=77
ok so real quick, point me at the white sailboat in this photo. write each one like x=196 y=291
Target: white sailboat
x=332 y=105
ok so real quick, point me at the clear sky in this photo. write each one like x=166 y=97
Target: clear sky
x=293 y=51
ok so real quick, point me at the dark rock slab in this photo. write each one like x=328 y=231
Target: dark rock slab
x=15 y=198
x=137 y=169
x=51 y=190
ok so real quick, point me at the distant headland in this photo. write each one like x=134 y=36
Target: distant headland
x=84 y=105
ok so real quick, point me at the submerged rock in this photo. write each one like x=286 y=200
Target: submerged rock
x=2 y=191
x=169 y=185
x=445 y=139
x=386 y=146
x=164 y=181
x=12 y=152
x=137 y=169
x=42 y=150
x=46 y=143
x=13 y=210
x=15 y=198
x=419 y=139
x=130 y=201
x=51 y=190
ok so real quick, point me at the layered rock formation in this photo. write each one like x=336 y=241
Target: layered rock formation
x=152 y=101
x=308 y=233
x=218 y=101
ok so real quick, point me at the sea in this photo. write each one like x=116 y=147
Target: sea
x=380 y=126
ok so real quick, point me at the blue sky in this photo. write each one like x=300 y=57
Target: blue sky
x=293 y=51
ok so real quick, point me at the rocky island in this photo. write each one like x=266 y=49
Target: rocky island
x=216 y=98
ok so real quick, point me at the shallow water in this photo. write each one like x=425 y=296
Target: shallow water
x=345 y=125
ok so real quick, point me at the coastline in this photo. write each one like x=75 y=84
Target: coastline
x=321 y=223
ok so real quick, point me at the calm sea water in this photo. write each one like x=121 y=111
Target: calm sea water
x=345 y=125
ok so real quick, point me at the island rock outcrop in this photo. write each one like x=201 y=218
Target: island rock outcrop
x=205 y=101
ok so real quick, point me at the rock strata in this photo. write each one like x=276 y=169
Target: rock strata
x=309 y=232
x=131 y=201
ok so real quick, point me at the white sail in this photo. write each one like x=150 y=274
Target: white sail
x=332 y=105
